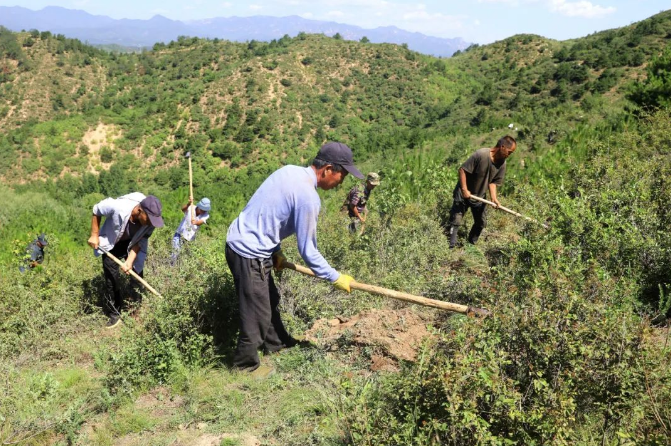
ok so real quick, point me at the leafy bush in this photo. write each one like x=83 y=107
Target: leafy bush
x=182 y=329
x=565 y=355
x=656 y=90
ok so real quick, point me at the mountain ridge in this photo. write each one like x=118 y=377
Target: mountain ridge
x=101 y=30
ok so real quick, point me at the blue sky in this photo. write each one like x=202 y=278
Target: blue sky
x=481 y=21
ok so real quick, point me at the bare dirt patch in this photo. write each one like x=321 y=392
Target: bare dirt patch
x=97 y=138
x=159 y=402
x=215 y=440
x=188 y=437
x=394 y=334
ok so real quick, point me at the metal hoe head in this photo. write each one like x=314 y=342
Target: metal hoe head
x=188 y=155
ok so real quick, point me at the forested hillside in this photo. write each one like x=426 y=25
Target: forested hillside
x=576 y=350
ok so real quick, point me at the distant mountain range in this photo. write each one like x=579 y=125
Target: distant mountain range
x=103 y=30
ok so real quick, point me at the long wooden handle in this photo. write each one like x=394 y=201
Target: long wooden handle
x=505 y=209
x=191 y=190
x=132 y=273
x=457 y=308
x=190 y=179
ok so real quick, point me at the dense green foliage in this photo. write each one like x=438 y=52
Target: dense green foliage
x=568 y=359
x=656 y=90
x=570 y=355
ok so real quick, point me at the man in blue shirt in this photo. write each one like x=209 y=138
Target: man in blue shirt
x=286 y=203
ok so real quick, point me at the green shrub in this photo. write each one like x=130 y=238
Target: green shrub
x=106 y=154
x=566 y=358
x=180 y=330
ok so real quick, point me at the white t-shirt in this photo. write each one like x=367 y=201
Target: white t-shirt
x=186 y=229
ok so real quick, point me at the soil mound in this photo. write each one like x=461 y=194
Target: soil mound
x=394 y=334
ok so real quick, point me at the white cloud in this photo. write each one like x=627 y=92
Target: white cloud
x=357 y=3
x=337 y=3
x=580 y=9
x=307 y=15
x=432 y=23
x=293 y=2
x=476 y=22
x=509 y=2
x=226 y=5
x=255 y=7
x=335 y=14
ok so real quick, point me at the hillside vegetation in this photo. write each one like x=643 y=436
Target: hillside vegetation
x=575 y=352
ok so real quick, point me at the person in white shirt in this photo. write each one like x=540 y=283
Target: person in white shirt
x=129 y=222
x=194 y=217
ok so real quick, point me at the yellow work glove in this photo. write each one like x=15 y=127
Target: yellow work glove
x=278 y=260
x=343 y=283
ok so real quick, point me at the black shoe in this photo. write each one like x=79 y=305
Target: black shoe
x=246 y=369
x=113 y=321
x=291 y=342
x=300 y=341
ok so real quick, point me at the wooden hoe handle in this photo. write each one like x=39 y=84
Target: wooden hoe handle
x=457 y=308
x=132 y=273
x=190 y=179
x=510 y=211
x=192 y=207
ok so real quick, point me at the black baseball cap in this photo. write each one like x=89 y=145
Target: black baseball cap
x=152 y=207
x=339 y=153
x=42 y=238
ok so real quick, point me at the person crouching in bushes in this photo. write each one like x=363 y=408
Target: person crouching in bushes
x=194 y=217
x=34 y=253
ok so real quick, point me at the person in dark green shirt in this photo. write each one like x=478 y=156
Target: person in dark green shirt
x=482 y=172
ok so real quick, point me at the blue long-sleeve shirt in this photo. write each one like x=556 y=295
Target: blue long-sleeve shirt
x=286 y=203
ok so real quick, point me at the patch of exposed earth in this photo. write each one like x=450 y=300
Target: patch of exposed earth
x=161 y=404
x=394 y=334
x=189 y=437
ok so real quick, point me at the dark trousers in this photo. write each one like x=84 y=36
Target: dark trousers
x=459 y=208
x=258 y=298
x=112 y=301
